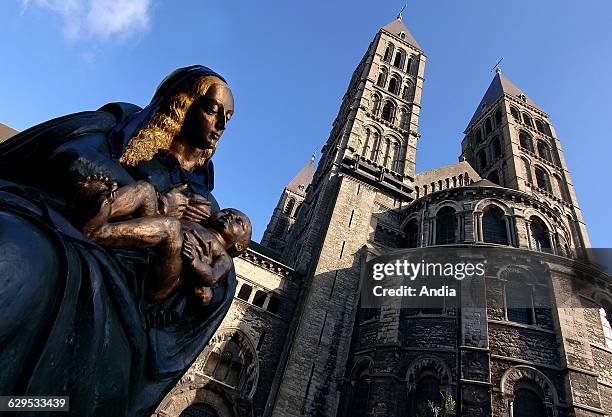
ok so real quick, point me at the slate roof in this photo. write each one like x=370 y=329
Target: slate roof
x=397 y=26
x=300 y=182
x=500 y=85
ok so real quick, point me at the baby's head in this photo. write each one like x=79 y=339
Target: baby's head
x=235 y=227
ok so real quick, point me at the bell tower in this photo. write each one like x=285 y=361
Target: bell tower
x=363 y=179
x=511 y=142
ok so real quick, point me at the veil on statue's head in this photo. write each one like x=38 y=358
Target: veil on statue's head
x=140 y=136
x=128 y=129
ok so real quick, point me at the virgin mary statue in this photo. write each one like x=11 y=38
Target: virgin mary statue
x=73 y=318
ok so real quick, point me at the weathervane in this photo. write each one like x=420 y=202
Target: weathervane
x=399 y=15
x=496 y=67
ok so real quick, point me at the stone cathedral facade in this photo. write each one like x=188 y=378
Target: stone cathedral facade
x=297 y=342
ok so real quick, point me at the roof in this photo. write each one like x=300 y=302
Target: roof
x=6 y=132
x=500 y=85
x=397 y=26
x=302 y=180
x=447 y=171
x=484 y=183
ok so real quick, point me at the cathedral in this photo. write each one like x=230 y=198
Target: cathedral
x=298 y=342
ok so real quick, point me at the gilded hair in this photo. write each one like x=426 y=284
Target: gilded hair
x=167 y=123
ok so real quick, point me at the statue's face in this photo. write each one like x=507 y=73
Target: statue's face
x=233 y=225
x=207 y=117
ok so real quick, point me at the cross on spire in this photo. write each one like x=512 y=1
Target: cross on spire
x=496 y=67
x=399 y=15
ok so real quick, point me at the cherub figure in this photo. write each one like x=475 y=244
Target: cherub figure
x=135 y=217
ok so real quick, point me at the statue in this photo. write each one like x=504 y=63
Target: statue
x=115 y=259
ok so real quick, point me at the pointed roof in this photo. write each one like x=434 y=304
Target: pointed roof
x=6 y=132
x=302 y=180
x=500 y=85
x=397 y=26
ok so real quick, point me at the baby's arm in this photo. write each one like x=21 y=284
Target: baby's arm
x=208 y=259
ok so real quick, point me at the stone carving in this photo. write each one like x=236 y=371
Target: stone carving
x=94 y=304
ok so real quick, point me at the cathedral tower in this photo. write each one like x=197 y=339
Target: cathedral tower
x=511 y=142
x=287 y=209
x=364 y=178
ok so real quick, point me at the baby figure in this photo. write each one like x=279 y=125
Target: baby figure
x=130 y=217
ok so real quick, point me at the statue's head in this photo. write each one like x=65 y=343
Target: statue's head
x=235 y=228
x=193 y=105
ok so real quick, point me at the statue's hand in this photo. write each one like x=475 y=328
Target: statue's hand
x=174 y=202
x=198 y=254
x=197 y=210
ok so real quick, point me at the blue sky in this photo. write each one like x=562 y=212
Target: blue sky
x=289 y=64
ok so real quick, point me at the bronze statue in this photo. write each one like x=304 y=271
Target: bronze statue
x=110 y=320
x=209 y=249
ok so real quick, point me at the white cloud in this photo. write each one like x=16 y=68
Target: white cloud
x=101 y=19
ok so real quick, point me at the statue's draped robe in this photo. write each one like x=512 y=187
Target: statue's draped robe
x=73 y=320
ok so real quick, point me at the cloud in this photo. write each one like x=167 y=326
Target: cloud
x=98 y=19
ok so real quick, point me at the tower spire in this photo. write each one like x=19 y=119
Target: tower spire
x=399 y=15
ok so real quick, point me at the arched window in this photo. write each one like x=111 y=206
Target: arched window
x=365 y=149
x=297 y=209
x=427 y=392
x=542 y=179
x=527 y=168
x=496 y=149
x=446 y=225
x=478 y=135
x=409 y=66
x=382 y=78
x=376 y=104
x=404 y=118
x=395 y=157
x=394 y=84
x=361 y=394
x=408 y=93
x=519 y=308
x=398 y=62
x=526 y=141
x=540 y=126
x=412 y=234
x=387 y=156
x=488 y=126
x=562 y=189
x=388 y=53
x=498 y=117
x=515 y=113
x=225 y=364
x=494 y=226
x=375 y=146
x=544 y=151
x=388 y=111
x=527 y=119
x=289 y=206
x=540 y=240
x=605 y=313
x=481 y=157
x=280 y=229
x=528 y=404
